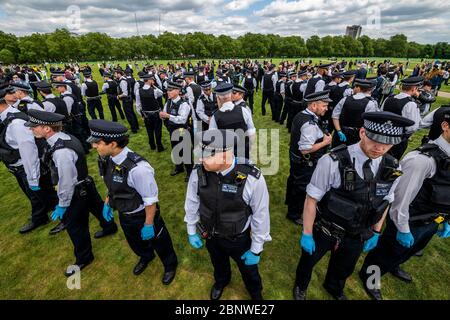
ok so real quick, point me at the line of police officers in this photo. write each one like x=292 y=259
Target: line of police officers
x=346 y=193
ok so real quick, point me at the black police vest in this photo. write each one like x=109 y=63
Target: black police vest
x=248 y=83
x=76 y=92
x=119 y=88
x=148 y=100
x=72 y=144
x=7 y=154
x=121 y=196
x=223 y=211
x=295 y=154
x=297 y=95
x=359 y=207
x=92 y=88
x=76 y=108
x=288 y=90
x=311 y=86
x=131 y=82
x=433 y=197
x=200 y=78
x=395 y=105
x=278 y=87
x=112 y=88
x=268 y=84
x=232 y=119
x=210 y=106
x=436 y=128
x=23 y=105
x=197 y=91
x=352 y=110
x=173 y=108
x=60 y=105
x=336 y=94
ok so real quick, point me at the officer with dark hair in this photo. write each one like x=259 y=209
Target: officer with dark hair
x=433 y=121
x=52 y=103
x=317 y=83
x=347 y=201
x=292 y=77
x=89 y=89
x=228 y=203
x=268 y=83
x=347 y=114
x=133 y=192
x=20 y=152
x=309 y=141
x=250 y=84
x=126 y=96
x=110 y=88
x=76 y=189
x=237 y=96
x=420 y=207
x=24 y=101
x=206 y=104
x=148 y=106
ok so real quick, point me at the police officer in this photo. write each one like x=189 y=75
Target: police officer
x=309 y=141
x=426 y=98
x=126 y=96
x=148 y=106
x=133 y=192
x=347 y=201
x=233 y=117
x=110 y=88
x=292 y=76
x=201 y=77
x=335 y=96
x=347 y=114
x=24 y=101
x=403 y=104
x=206 y=104
x=77 y=193
x=51 y=103
x=317 y=83
x=268 y=83
x=20 y=152
x=420 y=206
x=89 y=89
x=250 y=84
x=278 y=98
x=175 y=116
x=237 y=96
x=297 y=90
x=221 y=189
x=433 y=121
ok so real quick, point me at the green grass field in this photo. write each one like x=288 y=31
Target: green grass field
x=32 y=265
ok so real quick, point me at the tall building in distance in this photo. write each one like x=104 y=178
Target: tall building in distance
x=353 y=31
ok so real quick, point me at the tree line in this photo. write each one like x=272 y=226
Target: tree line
x=62 y=46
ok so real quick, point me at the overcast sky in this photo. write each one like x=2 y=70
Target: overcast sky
x=424 y=21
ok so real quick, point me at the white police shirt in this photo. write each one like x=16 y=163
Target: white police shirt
x=64 y=160
x=371 y=106
x=348 y=91
x=310 y=132
x=21 y=138
x=319 y=84
x=409 y=111
x=183 y=111
x=416 y=168
x=141 y=178
x=68 y=100
x=246 y=105
x=427 y=121
x=255 y=195
x=327 y=175
x=31 y=104
x=48 y=106
x=228 y=106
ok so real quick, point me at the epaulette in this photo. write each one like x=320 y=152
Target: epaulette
x=334 y=152
x=134 y=157
x=250 y=169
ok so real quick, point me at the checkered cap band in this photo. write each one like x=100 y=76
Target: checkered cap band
x=386 y=129
x=42 y=122
x=96 y=134
x=318 y=98
x=209 y=148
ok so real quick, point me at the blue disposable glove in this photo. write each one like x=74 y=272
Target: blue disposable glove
x=342 y=136
x=195 y=241
x=35 y=188
x=307 y=243
x=405 y=239
x=58 y=213
x=371 y=243
x=107 y=212
x=147 y=232
x=250 y=258
x=445 y=231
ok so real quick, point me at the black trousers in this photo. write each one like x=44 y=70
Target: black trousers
x=42 y=201
x=389 y=253
x=188 y=164
x=341 y=265
x=221 y=250
x=250 y=96
x=145 y=249
x=299 y=177
x=85 y=199
x=267 y=96
x=95 y=104
x=113 y=104
x=277 y=106
x=294 y=108
x=284 y=112
x=130 y=115
x=153 y=125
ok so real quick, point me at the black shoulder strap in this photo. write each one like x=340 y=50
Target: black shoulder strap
x=15 y=115
x=134 y=157
x=429 y=149
x=334 y=153
x=249 y=169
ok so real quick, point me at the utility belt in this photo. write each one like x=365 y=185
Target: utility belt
x=209 y=235
x=304 y=160
x=81 y=186
x=331 y=229
x=93 y=98
x=425 y=219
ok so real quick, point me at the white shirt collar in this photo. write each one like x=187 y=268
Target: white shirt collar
x=58 y=135
x=49 y=96
x=227 y=171
x=176 y=99
x=227 y=106
x=443 y=144
x=238 y=102
x=307 y=111
x=118 y=159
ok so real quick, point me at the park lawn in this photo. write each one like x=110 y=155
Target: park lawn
x=32 y=265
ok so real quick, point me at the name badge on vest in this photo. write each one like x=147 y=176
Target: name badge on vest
x=117 y=178
x=382 y=189
x=229 y=188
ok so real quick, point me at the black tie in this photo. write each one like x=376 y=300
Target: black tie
x=368 y=174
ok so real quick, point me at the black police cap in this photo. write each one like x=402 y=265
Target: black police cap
x=43 y=118
x=104 y=129
x=385 y=127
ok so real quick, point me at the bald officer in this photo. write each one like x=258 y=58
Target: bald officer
x=228 y=202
